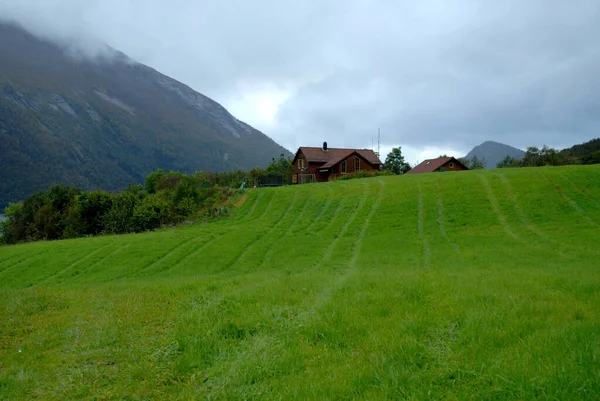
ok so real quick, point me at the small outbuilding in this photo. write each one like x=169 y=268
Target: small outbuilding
x=437 y=165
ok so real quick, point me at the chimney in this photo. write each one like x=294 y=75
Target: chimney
x=325 y=146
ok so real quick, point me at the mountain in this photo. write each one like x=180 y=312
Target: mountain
x=108 y=121
x=494 y=152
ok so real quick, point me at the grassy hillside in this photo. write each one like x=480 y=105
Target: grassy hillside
x=473 y=285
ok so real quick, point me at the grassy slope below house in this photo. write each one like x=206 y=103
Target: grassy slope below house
x=473 y=285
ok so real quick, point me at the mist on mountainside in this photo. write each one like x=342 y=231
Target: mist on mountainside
x=106 y=121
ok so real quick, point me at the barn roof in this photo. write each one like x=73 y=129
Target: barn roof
x=333 y=156
x=430 y=165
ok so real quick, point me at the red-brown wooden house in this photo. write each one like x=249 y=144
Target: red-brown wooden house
x=439 y=164
x=325 y=164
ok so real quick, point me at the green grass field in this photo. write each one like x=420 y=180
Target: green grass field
x=472 y=285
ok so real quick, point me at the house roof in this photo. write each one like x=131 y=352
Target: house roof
x=430 y=165
x=332 y=156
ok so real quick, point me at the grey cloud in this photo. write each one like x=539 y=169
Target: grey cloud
x=445 y=73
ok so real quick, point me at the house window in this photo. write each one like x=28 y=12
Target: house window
x=356 y=163
x=343 y=167
x=301 y=163
x=451 y=165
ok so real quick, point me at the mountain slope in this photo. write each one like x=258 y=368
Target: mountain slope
x=494 y=152
x=479 y=285
x=106 y=122
x=584 y=153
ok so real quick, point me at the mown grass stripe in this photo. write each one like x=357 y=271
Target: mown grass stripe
x=256 y=202
x=119 y=249
x=496 y=207
x=28 y=258
x=327 y=253
x=261 y=235
x=266 y=258
x=570 y=201
x=326 y=206
x=441 y=218
x=425 y=250
x=581 y=191
x=74 y=264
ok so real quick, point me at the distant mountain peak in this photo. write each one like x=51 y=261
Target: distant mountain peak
x=494 y=152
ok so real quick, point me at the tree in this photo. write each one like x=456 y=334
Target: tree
x=395 y=163
x=282 y=166
x=546 y=156
x=465 y=161
x=592 y=158
x=509 y=161
x=151 y=182
x=477 y=164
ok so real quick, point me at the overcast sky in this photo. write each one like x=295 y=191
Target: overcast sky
x=437 y=76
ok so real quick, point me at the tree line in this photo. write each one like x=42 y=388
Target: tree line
x=165 y=199
x=547 y=156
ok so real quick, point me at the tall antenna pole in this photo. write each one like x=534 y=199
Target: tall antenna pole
x=378 y=140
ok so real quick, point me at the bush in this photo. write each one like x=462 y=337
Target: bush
x=12 y=229
x=149 y=214
x=89 y=212
x=119 y=219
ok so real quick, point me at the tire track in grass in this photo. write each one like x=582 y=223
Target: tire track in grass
x=9 y=259
x=358 y=245
x=73 y=264
x=264 y=212
x=496 y=207
x=253 y=207
x=441 y=219
x=193 y=253
x=260 y=236
x=328 y=250
x=581 y=191
x=571 y=202
x=327 y=294
x=335 y=215
x=522 y=216
x=247 y=348
x=426 y=251
x=267 y=256
x=22 y=261
x=209 y=243
x=327 y=253
x=165 y=256
x=113 y=253
x=528 y=224
x=323 y=209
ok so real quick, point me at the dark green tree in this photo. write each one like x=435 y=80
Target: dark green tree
x=465 y=161
x=88 y=212
x=592 y=158
x=151 y=182
x=546 y=156
x=282 y=166
x=509 y=161
x=395 y=163
x=477 y=164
